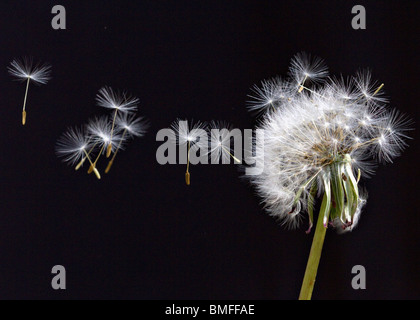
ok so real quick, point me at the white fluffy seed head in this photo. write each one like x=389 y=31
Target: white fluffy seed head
x=72 y=145
x=116 y=100
x=24 y=69
x=314 y=128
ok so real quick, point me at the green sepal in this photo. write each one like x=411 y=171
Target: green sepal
x=337 y=190
x=299 y=192
x=326 y=201
x=311 y=202
x=352 y=191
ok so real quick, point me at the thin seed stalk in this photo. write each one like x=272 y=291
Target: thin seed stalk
x=93 y=165
x=187 y=173
x=232 y=156
x=80 y=164
x=24 y=103
x=115 y=153
x=109 y=148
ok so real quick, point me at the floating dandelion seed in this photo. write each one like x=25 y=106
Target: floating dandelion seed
x=322 y=141
x=189 y=135
x=304 y=67
x=103 y=135
x=118 y=101
x=127 y=126
x=25 y=70
x=99 y=130
x=270 y=95
x=73 y=146
x=220 y=134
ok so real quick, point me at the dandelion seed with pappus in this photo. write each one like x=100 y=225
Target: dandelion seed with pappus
x=188 y=135
x=321 y=140
x=24 y=70
x=121 y=102
x=100 y=132
x=220 y=149
x=106 y=134
x=74 y=146
x=128 y=126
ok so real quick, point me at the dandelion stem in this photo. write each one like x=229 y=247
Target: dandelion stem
x=24 y=103
x=315 y=253
x=313 y=261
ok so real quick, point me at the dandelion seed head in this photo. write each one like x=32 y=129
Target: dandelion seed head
x=342 y=122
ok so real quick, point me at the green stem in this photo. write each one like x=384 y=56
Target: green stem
x=315 y=254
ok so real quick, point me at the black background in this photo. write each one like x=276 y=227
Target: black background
x=140 y=233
